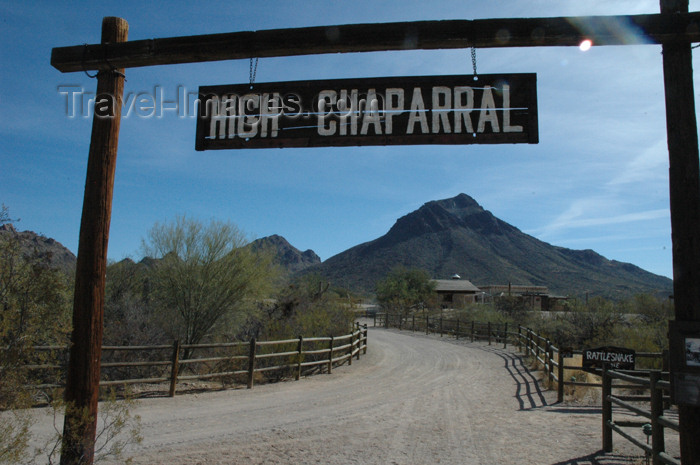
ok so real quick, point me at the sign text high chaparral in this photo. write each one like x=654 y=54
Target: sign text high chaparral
x=484 y=109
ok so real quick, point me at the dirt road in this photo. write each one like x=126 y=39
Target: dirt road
x=413 y=399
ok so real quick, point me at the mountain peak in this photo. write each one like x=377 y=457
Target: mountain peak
x=457 y=235
x=286 y=255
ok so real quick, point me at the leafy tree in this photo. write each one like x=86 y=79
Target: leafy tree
x=204 y=279
x=34 y=310
x=404 y=289
x=307 y=307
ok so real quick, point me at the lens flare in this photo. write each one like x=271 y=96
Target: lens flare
x=585 y=45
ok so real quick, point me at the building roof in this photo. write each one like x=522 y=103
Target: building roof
x=454 y=285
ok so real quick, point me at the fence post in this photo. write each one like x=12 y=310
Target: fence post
x=386 y=320
x=413 y=323
x=488 y=329
x=550 y=359
x=528 y=345
x=330 y=356
x=657 y=409
x=365 y=338
x=427 y=324
x=607 y=411
x=560 y=377
x=457 y=332
x=520 y=341
x=505 y=335
x=352 y=342
x=472 y=334
x=251 y=363
x=375 y=318
x=175 y=367
x=300 y=358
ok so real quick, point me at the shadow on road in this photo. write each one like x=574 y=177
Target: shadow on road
x=602 y=458
x=528 y=391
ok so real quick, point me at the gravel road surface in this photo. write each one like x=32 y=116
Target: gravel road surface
x=413 y=399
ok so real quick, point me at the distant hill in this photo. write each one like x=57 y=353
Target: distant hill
x=457 y=235
x=286 y=255
x=56 y=255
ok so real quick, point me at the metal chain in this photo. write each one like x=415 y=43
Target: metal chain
x=474 y=60
x=253 y=70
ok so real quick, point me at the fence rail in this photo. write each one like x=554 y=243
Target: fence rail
x=553 y=363
x=289 y=358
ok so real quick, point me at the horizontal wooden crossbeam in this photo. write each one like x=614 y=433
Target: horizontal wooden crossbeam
x=420 y=35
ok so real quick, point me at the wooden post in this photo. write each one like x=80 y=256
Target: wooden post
x=251 y=363
x=427 y=324
x=505 y=335
x=441 y=325
x=684 y=182
x=520 y=335
x=359 y=340
x=300 y=358
x=488 y=329
x=560 y=376
x=550 y=360
x=607 y=411
x=364 y=351
x=657 y=409
x=83 y=377
x=175 y=367
x=472 y=332
x=457 y=332
x=413 y=323
x=330 y=356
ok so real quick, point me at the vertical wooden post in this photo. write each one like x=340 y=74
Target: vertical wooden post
x=330 y=356
x=300 y=359
x=457 y=332
x=251 y=363
x=488 y=329
x=657 y=409
x=684 y=182
x=472 y=332
x=520 y=335
x=359 y=340
x=607 y=411
x=83 y=377
x=550 y=360
x=427 y=324
x=560 y=376
x=413 y=324
x=505 y=335
x=175 y=367
x=440 y=325
x=364 y=335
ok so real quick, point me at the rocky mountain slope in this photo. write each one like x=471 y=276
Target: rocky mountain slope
x=458 y=236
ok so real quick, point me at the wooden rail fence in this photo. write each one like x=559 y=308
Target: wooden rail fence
x=288 y=358
x=552 y=360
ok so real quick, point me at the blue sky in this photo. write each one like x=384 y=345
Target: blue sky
x=597 y=180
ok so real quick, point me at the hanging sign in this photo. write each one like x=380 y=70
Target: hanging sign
x=617 y=358
x=487 y=109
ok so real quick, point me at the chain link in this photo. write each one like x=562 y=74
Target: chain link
x=474 y=60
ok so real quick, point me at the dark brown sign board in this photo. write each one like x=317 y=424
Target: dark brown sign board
x=464 y=109
x=617 y=358
x=685 y=361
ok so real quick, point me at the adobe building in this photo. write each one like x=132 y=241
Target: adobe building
x=455 y=292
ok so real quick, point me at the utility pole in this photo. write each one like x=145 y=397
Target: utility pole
x=684 y=186
x=83 y=379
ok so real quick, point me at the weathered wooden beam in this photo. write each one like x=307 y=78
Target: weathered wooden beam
x=83 y=377
x=420 y=35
